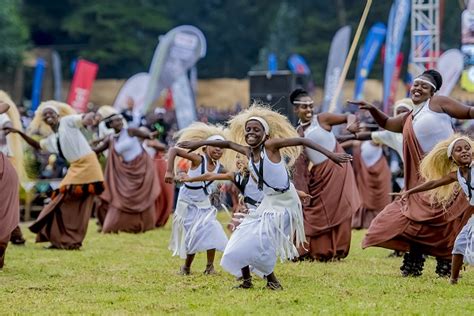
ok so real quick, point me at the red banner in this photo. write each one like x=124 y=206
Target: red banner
x=81 y=85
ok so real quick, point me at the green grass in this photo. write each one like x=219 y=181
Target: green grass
x=135 y=274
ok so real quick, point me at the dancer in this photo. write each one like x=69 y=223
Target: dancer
x=132 y=186
x=9 y=197
x=195 y=227
x=277 y=222
x=11 y=147
x=335 y=198
x=438 y=168
x=373 y=178
x=415 y=225
x=63 y=222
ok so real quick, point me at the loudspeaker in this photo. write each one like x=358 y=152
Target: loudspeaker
x=275 y=88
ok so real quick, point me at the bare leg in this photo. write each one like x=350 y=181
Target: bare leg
x=273 y=283
x=211 y=253
x=456 y=265
x=3 y=249
x=246 y=278
x=186 y=269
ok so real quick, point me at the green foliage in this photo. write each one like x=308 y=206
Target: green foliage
x=135 y=274
x=13 y=35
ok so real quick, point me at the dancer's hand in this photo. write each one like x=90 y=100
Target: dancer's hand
x=181 y=178
x=153 y=135
x=304 y=197
x=363 y=105
x=340 y=158
x=169 y=177
x=189 y=145
x=354 y=127
x=8 y=130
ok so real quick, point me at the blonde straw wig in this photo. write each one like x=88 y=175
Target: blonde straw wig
x=436 y=165
x=14 y=139
x=279 y=127
x=37 y=126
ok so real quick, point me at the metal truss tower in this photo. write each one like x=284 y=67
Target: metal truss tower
x=425 y=34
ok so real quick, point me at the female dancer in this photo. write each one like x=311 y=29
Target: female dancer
x=415 y=225
x=195 y=227
x=63 y=222
x=131 y=183
x=10 y=205
x=438 y=168
x=373 y=178
x=335 y=198
x=278 y=220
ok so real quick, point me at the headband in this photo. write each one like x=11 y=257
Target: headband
x=451 y=145
x=112 y=116
x=427 y=82
x=264 y=123
x=303 y=102
x=401 y=105
x=215 y=137
x=50 y=107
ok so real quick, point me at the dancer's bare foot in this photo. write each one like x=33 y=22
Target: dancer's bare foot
x=275 y=286
x=209 y=269
x=246 y=284
x=184 y=270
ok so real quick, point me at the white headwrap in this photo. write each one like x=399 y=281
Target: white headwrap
x=427 y=82
x=451 y=145
x=215 y=137
x=51 y=107
x=262 y=121
x=402 y=105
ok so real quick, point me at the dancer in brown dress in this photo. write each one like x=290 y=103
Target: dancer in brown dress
x=131 y=182
x=416 y=225
x=63 y=222
x=10 y=204
x=335 y=198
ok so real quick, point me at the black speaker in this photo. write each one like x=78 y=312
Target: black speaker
x=275 y=88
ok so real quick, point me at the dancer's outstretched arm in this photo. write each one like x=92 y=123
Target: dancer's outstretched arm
x=136 y=132
x=328 y=120
x=103 y=145
x=208 y=176
x=175 y=151
x=394 y=124
x=227 y=144
x=274 y=145
x=30 y=141
x=355 y=136
x=429 y=185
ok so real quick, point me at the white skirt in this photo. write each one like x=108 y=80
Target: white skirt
x=195 y=228
x=464 y=244
x=267 y=233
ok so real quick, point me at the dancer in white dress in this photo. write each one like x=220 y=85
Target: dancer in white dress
x=277 y=223
x=195 y=227
x=439 y=168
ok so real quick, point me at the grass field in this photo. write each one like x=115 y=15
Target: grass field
x=135 y=274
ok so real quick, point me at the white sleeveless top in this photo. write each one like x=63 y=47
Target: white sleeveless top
x=127 y=146
x=320 y=136
x=431 y=127
x=198 y=194
x=464 y=186
x=370 y=153
x=274 y=174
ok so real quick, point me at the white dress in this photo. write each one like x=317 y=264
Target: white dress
x=464 y=244
x=195 y=227
x=271 y=229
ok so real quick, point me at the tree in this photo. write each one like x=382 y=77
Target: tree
x=13 y=33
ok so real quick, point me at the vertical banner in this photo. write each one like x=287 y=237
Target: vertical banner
x=368 y=52
x=396 y=76
x=177 y=51
x=298 y=65
x=272 y=63
x=184 y=102
x=135 y=88
x=337 y=57
x=37 y=83
x=56 y=60
x=450 y=66
x=81 y=85
x=397 y=22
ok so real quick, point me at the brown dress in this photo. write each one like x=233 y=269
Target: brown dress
x=165 y=200
x=130 y=193
x=374 y=185
x=328 y=216
x=9 y=204
x=415 y=222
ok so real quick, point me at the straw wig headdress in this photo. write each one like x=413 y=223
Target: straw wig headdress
x=37 y=126
x=279 y=127
x=14 y=140
x=437 y=165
